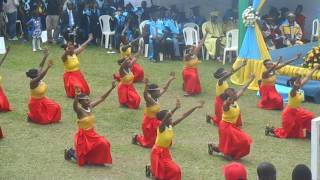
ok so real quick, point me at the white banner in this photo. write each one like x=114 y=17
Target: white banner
x=2 y=46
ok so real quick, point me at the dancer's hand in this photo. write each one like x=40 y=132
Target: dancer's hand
x=114 y=84
x=252 y=76
x=201 y=103
x=173 y=75
x=90 y=37
x=50 y=63
x=178 y=103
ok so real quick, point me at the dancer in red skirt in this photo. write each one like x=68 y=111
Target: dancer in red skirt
x=150 y=123
x=4 y=103
x=41 y=109
x=125 y=51
x=270 y=98
x=72 y=75
x=162 y=166
x=233 y=142
x=127 y=94
x=295 y=119
x=221 y=75
x=191 y=81
x=90 y=147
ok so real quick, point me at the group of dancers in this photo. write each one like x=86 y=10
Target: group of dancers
x=157 y=124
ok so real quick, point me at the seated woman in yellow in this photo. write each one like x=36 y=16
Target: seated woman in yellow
x=291 y=31
x=41 y=109
x=90 y=147
x=162 y=165
x=72 y=75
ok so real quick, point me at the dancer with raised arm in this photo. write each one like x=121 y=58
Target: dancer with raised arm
x=90 y=147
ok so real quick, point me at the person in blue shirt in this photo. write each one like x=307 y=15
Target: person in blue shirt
x=172 y=40
x=108 y=8
x=196 y=17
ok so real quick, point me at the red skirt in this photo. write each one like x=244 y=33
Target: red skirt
x=128 y=96
x=44 y=111
x=149 y=128
x=4 y=103
x=162 y=165
x=270 y=98
x=73 y=80
x=191 y=81
x=138 y=72
x=91 y=148
x=294 y=121
x=233 y=142
x=1 y=134
x=218 y=110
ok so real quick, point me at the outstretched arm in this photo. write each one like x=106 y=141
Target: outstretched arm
x=288 y=62
x=104 y=96
x=186 y=114
x=178 y=105
x=5 y=56
x=76 y=100
x=84 y=45
x=231 y=73
x=44 y=59
x=198 y=48
x=34 y=82
x=165 y=88
x=245 y=87
x=265 y=74
x=309 y=75
x=147 y=98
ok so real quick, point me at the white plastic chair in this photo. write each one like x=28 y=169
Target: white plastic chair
x=104 y=21
x=191 y=37
x=315 y=29
x=196 y=27
x=2 y=46
x=231 y=44
x=141 y=41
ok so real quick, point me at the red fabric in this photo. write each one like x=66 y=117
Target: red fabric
x=162 y=165
x=4 y=103
x=128 y=96
x=44 y=111
x=235 y=171
x=294 y=121
x=218 y=110
x=191 y=81
x=233 y=141
x=270 y=98
x=138 y=72
x=1 y=134
x=91 y=148
x=149 y=128
x=75 y=79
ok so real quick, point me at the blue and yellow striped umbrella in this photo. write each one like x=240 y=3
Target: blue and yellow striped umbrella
x=254 y=50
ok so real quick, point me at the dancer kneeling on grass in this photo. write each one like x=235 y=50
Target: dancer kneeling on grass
x=150 y=123
x=90 y=147
x=72 y=75
x=162 y=165
x=221 y=75
x=191 y=81
x=233 y=142
x=125 y=51
x=127 y=94
x=41 y=109
x=4 y=103
x=295 y=119
x=270 y=98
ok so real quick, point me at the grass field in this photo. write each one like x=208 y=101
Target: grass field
x=31 y=151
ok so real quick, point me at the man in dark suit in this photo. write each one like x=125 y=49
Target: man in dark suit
x=69 y=20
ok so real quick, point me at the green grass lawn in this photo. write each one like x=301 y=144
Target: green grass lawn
x=31 y=151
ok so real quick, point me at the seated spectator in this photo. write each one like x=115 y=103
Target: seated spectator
x=266 y=171
x=300 y=18
x=291 y=32
x=196 y=17
x=108 y=8
x=69 y=18
x=235 y=171
x=173 y=36
x=120 y=23
x=230 y=24
x=271 y=33
x=215 y=40
x=89 y=20
x=301 y=172
x=283 y=15
x=274 y=14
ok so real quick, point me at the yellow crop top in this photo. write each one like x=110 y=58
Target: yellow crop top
x=269 y=81
x=125 y=54
x=127 y=79
x=232 y=115
x=193 y=63
x=222 y=88
x=86 y=122
x=164 y=139
x=40 y=91
x=72 y=64
x=152 y=111
x=295 y=102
